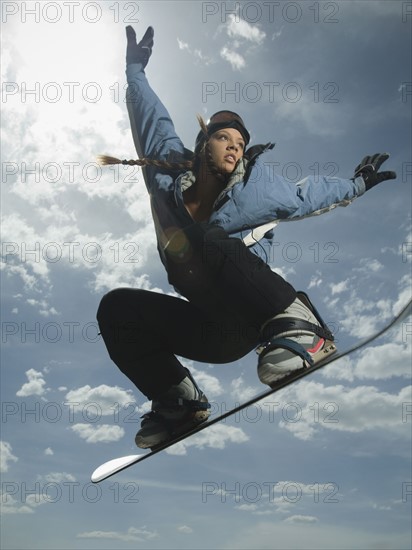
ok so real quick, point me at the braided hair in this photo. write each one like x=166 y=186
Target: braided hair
x=190 y=164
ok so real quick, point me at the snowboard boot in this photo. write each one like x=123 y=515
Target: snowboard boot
x=178 y=410
x=295 y=339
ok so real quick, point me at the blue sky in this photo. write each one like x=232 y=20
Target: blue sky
x=326 y=462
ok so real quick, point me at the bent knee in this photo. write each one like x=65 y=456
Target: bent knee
x=111 y=301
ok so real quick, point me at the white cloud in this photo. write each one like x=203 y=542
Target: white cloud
x=144 y=408
x=379 y=362
x=98 y=434
x=338 y=288
x=315 y=281
x=56 y=477
x=182 y=45
x=284 y=272
x=6 y=456
x=195 y=52
x=241 y=29
x=185 y=529
x=247 y=507
x=208 y=383
x=297 y=487
x=112 y=262
x=114 y=275
x=131 y=535
x=279 y=498
x=382 y=507
x=343 y=369
x=369 y=265
x=43 y=307
x=384 y=361
x=102 y=398
x=319 y=535
x=301 y=519
x=405 y=291
x=277 y=34
x=240 y=391
x=29 y=280
x=28 y=502
x=48 y=451
x=22 y=254
x=235 y=59
x=10 y=505
x=355 y=410
x=361 y=313
x=57 y=135
x=37 y=499
x=361 y=318
x=34 y=386
x=381 y=310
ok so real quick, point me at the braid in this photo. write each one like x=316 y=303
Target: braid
x=185 y=165
x=203 y=125
x=192 y=164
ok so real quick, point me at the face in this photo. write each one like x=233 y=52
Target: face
x=226 y=147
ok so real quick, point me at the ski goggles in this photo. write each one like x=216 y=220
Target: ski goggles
x=220 y=120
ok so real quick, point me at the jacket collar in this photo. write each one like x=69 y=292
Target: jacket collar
x=253 y=152
x=187 y=179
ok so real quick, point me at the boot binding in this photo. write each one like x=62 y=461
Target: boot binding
x=275 y=336
x=195 y=415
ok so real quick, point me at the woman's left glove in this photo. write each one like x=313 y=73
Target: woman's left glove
x=368 y=170
x=139 y=53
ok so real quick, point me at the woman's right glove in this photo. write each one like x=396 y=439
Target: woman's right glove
x=368 y=170
x=139 y=53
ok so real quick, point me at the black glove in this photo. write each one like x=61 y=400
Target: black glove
x=368 y=170
x=139 y=53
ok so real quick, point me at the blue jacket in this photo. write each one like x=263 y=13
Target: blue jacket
x=255 y=199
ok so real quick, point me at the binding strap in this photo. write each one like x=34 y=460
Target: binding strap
x=191 y=404
x=286 y=343
x=292 y=324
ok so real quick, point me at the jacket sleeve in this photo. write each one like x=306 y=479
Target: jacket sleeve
x=265 y=197
x=153 y=131
x=318 y=194
x=310 y=196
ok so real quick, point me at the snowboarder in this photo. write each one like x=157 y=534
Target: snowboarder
x=214 y=211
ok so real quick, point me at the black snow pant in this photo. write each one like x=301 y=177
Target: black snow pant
x=230 y=294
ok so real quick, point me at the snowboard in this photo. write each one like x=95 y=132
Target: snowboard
x=116 y=465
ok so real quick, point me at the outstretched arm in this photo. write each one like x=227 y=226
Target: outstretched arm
x=321 y=194
x=315 y=195
x=267 y=197
x=152 y=128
